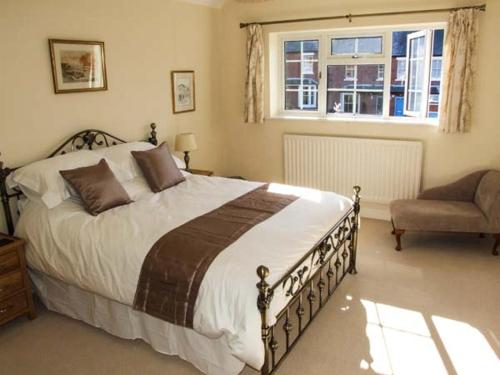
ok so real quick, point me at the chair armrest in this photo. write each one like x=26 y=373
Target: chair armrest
x=462 y=190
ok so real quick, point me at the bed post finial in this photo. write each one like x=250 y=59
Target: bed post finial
x=153 y=140
x=356 y=197
x=353 y=246
x=263 y=302
x=4 y=172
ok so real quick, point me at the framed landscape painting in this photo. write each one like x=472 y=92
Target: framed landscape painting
x=183 y=95
x=77 y=65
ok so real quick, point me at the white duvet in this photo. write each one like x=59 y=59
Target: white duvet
x=104 y=254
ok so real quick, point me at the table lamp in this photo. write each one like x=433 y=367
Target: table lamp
x=185 y=142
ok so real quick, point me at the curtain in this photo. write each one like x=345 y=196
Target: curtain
x=254 y=88
x=459 y=56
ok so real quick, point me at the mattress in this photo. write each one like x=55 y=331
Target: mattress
x=103 y=255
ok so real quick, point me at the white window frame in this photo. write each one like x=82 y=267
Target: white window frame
x=281 y=91
x=325 y=58
x=424 y=103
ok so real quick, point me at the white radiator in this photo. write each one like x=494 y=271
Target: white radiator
x=385 y=169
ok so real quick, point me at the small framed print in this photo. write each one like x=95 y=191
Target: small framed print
x=77 y=65
x=183 y=95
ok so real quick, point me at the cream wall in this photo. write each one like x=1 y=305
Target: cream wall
x=144 y=41
x=148 y=38
x=255 y=151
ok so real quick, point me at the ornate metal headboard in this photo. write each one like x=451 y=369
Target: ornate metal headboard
x=89 y=138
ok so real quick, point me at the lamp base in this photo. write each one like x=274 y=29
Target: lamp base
x=186 y=160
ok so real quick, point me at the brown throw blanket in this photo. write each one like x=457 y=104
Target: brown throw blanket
x=174 y=268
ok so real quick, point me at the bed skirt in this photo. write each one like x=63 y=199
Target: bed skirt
x=211 y=356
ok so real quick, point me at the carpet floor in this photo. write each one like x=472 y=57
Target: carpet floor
x=433 y=308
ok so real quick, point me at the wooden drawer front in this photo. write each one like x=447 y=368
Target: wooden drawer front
x=9 y=262
x=13 y=306
x=10 y=283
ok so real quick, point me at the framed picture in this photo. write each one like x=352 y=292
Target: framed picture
x=183 y=97
x=77 y=65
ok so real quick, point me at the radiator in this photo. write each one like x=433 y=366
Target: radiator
x=385 y=169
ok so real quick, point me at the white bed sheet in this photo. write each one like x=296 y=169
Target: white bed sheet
x=104 y=254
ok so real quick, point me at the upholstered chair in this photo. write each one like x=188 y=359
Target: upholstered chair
x=469 y=205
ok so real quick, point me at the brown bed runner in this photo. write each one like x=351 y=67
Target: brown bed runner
x=174 y=268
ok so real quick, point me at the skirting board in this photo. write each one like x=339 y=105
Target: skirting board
x=378 y=211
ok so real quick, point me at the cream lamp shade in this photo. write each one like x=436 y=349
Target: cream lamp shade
x=185 y=142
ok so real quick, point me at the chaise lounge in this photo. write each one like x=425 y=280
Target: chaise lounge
x=469 y=205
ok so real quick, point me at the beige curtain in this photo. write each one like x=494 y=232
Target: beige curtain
x=459 y=56
x=254 y=90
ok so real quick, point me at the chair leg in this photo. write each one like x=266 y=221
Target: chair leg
x=398 y=233
x=497 y=242
x=393 y=228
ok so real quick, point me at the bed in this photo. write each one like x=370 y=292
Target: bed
x=256 y=299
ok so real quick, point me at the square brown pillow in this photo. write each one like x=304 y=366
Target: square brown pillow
x=97 y=186
x=158 y=167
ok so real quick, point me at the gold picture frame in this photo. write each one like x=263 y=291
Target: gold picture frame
x=77 y=65
x=183 y=91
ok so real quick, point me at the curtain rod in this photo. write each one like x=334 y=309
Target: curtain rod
x=351 y=16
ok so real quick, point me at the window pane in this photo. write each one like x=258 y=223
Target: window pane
x=369 y=77
x=362 y=45
x=370 y=103
x=370 y=45
x=401 y=68
x=341 y=76
x=301 y=75
x=341 y=46
x=362 y=95
x=436 y=69
x=340 y=102
x=416 y=68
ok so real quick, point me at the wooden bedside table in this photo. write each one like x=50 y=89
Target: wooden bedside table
x=15 y=287
x=201 y=172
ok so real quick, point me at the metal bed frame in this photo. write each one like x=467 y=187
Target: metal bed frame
x=308 y=284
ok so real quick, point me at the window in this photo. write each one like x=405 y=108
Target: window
x=384 y=73
x=400 y=68
x=357 y=46
x=350 y=73
x=346 y=102
x=365 y=90
x=436 y=68
x=380 y=72
x=301 y=75
x=417 y=79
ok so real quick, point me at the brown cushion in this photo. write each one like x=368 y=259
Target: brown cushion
x=158 y=167
x=97 y=186
x=445 y=216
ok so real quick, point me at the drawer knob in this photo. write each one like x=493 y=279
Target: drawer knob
x=4 y=310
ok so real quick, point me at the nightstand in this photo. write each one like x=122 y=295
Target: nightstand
x=15 y=289
x=201 y=172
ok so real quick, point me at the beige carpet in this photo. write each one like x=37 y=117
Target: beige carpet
x=432 y=309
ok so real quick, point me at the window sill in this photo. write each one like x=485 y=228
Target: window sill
x=359 y=120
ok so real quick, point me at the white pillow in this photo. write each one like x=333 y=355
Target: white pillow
x=121 y=156
x=41 y=179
